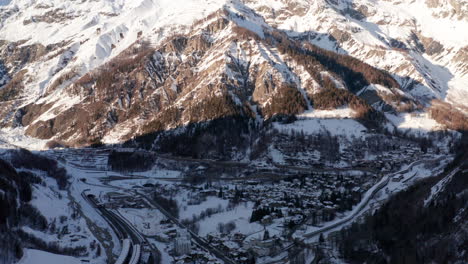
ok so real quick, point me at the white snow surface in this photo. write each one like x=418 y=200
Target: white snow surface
x=344 y=112
x=15 y=137
x=415 y=122
x=240 y=216
x=335 y=126
x=187 y=211
x=146 y=221
x=34 y=256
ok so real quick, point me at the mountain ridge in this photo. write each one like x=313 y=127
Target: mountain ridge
x=41 y=98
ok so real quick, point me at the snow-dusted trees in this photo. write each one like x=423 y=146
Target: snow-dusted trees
x=331 y=97
x=448 y=115
x=25 y=159
x=15 y=212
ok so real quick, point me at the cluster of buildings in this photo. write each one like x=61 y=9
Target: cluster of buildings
x=287 y=205
x=315 y=197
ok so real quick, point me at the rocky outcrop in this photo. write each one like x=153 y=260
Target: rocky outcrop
x=462 y=58
x=51 y=16
x=430 y=45
x=452 y=8
x=15 y=55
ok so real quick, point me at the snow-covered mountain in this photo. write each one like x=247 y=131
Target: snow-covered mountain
x=339 y=103
x=79 y=72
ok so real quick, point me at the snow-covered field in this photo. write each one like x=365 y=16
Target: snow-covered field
x=240 y=215
x=345 y=112
x=147 y=221
x=33 y=256
x=159 y=173
x=335 y=126
x=415 y=122
x=188 y=211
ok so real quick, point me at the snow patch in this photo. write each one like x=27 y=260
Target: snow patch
x=414 y=122
x=336 y=127
x=34 y=256
x=345 y=112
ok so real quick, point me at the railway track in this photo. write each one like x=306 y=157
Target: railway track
x=131 y=239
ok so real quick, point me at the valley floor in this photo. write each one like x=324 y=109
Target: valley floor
x=268 y=216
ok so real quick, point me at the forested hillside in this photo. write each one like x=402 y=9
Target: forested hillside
x=427 y=223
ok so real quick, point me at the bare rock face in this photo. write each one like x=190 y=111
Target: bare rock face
x=434 y=47
x=340 y=35
x=15 y=55
x=450 y=8
x=51 y=16
x=430 y=46
x=462 y=58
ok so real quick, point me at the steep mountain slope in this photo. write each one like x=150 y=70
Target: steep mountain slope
x=82 y=73
x=432 y=228
x=425 y=49
x=36 y=211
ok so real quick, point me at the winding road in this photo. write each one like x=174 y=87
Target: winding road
x=367 y=198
